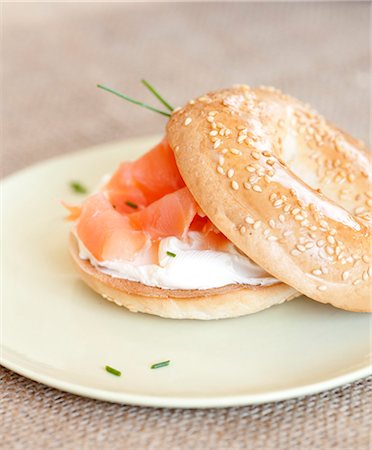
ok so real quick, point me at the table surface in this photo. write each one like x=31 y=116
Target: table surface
x=53 y=56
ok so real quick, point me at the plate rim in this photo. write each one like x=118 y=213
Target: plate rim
x=194 y=402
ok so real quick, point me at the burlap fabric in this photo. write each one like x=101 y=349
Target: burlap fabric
x=53 y=55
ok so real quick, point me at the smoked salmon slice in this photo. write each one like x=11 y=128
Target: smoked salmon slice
x=169 y=216
x=143 y=202
x=145 y=180
x=106 y=233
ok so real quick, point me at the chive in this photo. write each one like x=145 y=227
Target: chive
x=113 y=371
x=173 y=255
x=78 y=187
x=160 y=364
x=136 y=102
x=131 y=204
x=157 y=95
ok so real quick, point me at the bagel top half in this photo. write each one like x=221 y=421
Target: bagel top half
x=289 y=189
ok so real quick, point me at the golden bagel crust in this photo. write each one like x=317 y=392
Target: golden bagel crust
x=195 y=304
x=289 y=189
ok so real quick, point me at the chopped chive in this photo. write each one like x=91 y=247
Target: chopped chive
x=160 y=364
x=113 y=371
x=131 y=204
x=157 y=95
x=78 y=187
x=173 y=255
x=136 y=102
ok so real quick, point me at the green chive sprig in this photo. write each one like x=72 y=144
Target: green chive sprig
x=113 y=371
x=157 y=95
x=131 y=204
x=78 y=187
x=160 y=364
x=173 y=255
x=136 y=102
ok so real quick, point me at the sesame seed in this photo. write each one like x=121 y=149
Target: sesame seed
x=295 y=211
x=322 y=288
x=253 y=179
x=325 y=270
x=323 y=224
x=220 y=170
x=235 y=185
x=300 y=247
x=287 y=233
x=188 y=121
x=230 y=173
x=272 y=197
x=243 y=229
x=251 y=169
x=272 y=223
x=295 y=252
x=266 y=232
x=247 y=185
x=359 y=210
x=213 y=113
x=210 y=119
x=257 y=188
x=351 y=177
x=287 y=208
x=309 y=245
x=272 y=238
x=369 y=271
x=278 y=202
x=299 y=217
x=235 y=151
x=257 y=224
x=329 y=250
x=281 y=218
x=224 y=151
x=270 y=162
x=256 y=155
x=266 y=153
x=365 y=258
x=317 y=272
x=331 y=239
x=213 y=133
x=332 y=232
x=365 y=276
x=267 y=179
x=217 y=143
x=249 y=219
x=356 y=282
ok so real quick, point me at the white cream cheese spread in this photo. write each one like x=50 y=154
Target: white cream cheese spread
x=191 y=268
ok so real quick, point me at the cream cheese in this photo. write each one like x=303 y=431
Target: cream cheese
x=192 y=268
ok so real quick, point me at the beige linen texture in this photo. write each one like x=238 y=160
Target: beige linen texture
x=53 y=55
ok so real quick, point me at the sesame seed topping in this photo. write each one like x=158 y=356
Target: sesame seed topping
x=309 y=245
x=272 y=223
x=217 y=143
x=330 y=250
x=365 y=258
x=281 y=218
x=317 y=272
x=256 y=155
x=188 y=121
x=273 y=197
x=356 y=282
x=243 y=229
x=230 y=173
x=272 y=238
x=257 y=224
x=235 y=151
x=369 y=271
x=331 y=239
x=287 y=208
x=235 y=185
x=251 y=169
x=220 y=170
x=299 y=217
x=210 y=119
x=257 y=188
x=300 y=247
x=249 y=219
x=295 y=211
x=322 y=288
x=287 y=233
x=247 y=185
x=213 y=133
x=295 y=252
x=278 y=202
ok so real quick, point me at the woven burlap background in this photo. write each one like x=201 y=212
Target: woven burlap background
x=53 y=55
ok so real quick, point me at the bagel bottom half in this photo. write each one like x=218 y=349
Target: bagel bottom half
x=202 y=305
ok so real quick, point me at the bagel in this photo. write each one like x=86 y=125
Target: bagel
x=289 y=189
x=230 y=301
